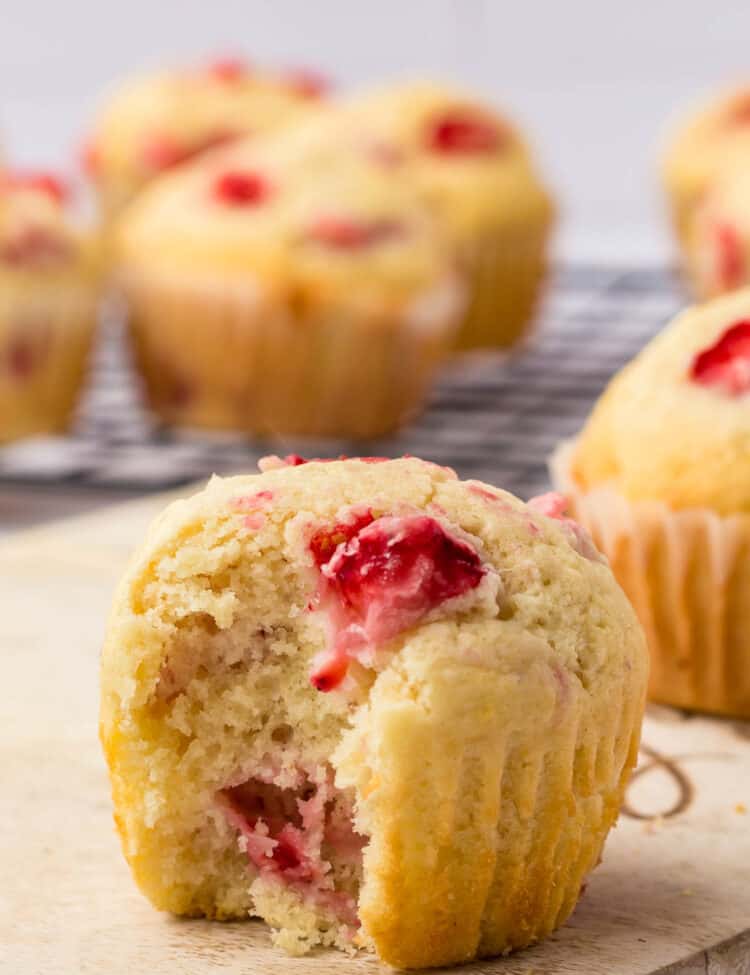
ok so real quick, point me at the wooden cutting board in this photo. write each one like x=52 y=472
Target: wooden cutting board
x=672 y=895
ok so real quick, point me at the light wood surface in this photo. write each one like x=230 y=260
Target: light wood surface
x=672 y=895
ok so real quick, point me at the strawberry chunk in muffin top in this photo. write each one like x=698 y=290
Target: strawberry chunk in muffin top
x=725 y=365
x=383 y=577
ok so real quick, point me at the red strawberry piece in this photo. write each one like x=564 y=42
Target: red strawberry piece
x=345 y=234
x=46 y=183
x=328 y=674
x=551 y=504
x=554 y=505
x=90 y=158
x=463 y=132
x=229 y=69
x=161 y=152
x=35 y=246
x=326 y=540
x=384 y=579
x=268 y=817
x=21 y=358
x=241 y=188
x=251 y=502
x=739 y=112
x=307 y=83
x=730 y=262
x=725 y=365
x=412 y=561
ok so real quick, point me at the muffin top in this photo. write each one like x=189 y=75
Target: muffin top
x=36 y=233
x=674 y=425
x=155 y=122
x=347 y=229
x=469 y=163
x=373 y=553
x=715 y=136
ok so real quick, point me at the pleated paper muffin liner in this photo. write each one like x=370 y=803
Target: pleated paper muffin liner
x=232 y=355
x=506 y=272
x=687 y=574
x=530 y=776
x=46 y=332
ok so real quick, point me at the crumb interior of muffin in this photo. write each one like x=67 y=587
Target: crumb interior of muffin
x=242 y=805
x=255 y=824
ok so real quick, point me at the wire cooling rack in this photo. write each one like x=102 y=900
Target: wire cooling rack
x=489 y=417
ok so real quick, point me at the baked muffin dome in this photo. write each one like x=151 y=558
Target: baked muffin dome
x=372 y=704
x=660 y=476
x=269 y=299
x=473 y=169
x=717 y=135
x=674 y=424
x=48 y=298
x=159 y=121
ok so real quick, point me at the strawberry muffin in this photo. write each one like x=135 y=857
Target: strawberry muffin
x=713 y=138
x=660 y=476
x=157 y=122
x=275 y=300
x=48 y=304
x=475 y=172
x=374 y=705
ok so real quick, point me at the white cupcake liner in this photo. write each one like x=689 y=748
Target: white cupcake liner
x=46 y=334
x=687 y=574
x=506 y=272
x=233 y=354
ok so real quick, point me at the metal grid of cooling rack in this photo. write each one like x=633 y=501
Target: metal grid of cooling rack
x=490 y=418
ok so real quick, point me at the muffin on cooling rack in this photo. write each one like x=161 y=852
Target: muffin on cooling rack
x=48 y=302
x=472 y=168
x=270 y=300
x=374 y=705
x=718 y=250
x=660 y=476
x=713 y=138
x=156 y=122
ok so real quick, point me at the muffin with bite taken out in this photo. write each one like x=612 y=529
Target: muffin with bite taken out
x=374 y=705
x=271 y=299
x=660 y=476
x=157 y=122
x=48 y=305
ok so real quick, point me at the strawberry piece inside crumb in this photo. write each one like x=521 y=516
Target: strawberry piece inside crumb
x=463 y=132
x=241 y=188
x=384 y=575
x=726 y=364
x=344 y=234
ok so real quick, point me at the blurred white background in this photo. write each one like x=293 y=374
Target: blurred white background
x=593 y=82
